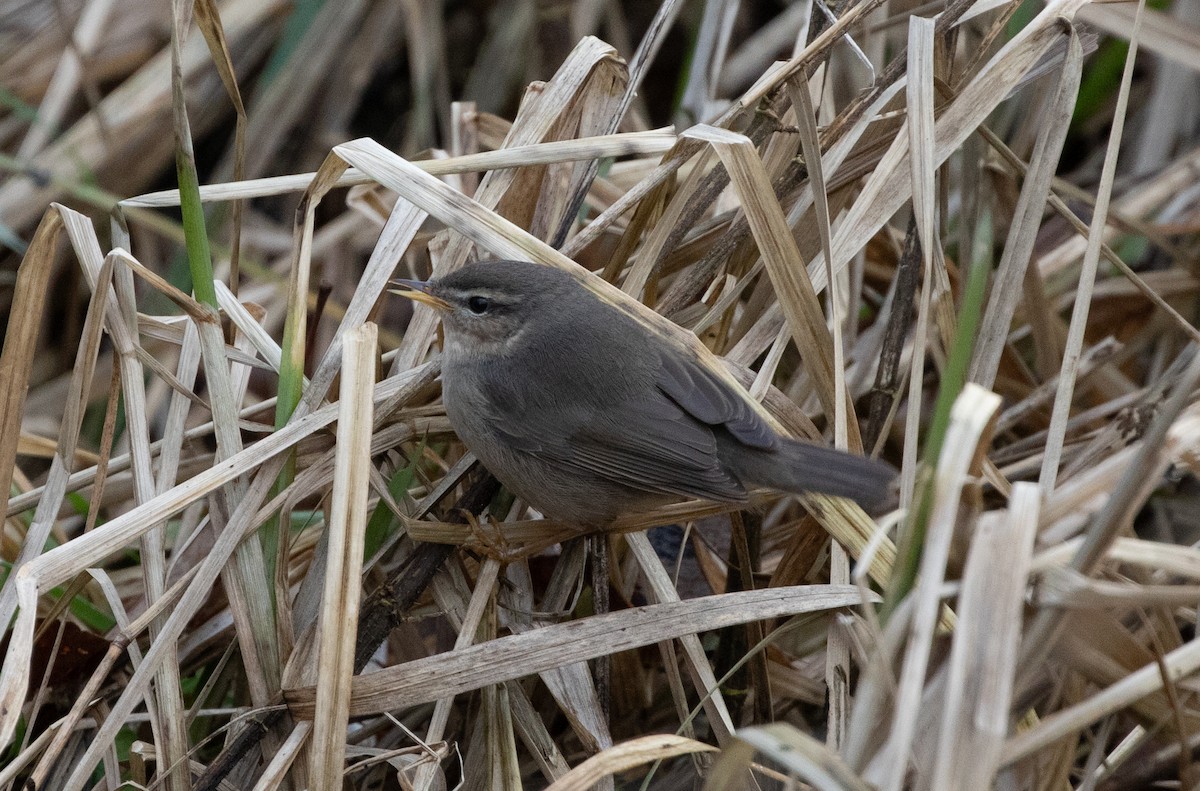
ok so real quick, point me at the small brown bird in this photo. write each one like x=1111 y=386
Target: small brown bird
x=587 y=415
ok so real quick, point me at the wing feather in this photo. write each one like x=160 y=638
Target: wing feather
x=673 y=455
x=709 y=399
x=657 y=447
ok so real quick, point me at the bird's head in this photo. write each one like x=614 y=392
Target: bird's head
x=487 y=307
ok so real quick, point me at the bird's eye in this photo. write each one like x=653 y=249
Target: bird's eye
x=479 y=305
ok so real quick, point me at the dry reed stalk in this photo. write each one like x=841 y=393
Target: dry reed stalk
x=343 y=567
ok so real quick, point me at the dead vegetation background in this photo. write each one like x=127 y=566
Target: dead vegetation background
x=960 y=235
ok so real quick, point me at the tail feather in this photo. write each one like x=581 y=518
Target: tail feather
x=804 y=467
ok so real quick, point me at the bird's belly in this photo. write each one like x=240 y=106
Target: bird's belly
x=559 y=492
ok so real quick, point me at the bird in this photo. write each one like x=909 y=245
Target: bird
x=588 y=415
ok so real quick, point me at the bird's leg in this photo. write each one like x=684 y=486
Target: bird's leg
x=490 y=543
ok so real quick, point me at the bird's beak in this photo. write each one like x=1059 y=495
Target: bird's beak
x=418 y=291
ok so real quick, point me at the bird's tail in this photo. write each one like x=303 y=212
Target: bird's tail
x=804 y=467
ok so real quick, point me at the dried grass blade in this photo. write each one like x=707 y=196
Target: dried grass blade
x=208 y=19
x=248 y=327
x=627 y=755
x=837 y=154
x=966 y=441
x=246 y=584
x=499 y=754
x=1022 y=234
x=572 y=685
x=1065 y=588
x=1173 y=559
x=172 y=744
x=782 y=72
x=1087 y=277
x=20 y=337
x=920 y=126
x=701 y=672
x=838 y=667
x=982 y=665
x=274 y=776
x=291 y=374
x=293 y=354
x=804 y=756
x=53 y=753
x=1137 y=202
x=343 y=569
x=731 y=769
x=481 y=596
x=652 y=247
x=515 y=656
x=83 y=478
x=58 y=479
x=652 y=181
x=810 y=144
x=397 y=234
x=533 y=733
x=601 y=106
x=707 y=58
x=647 y=143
